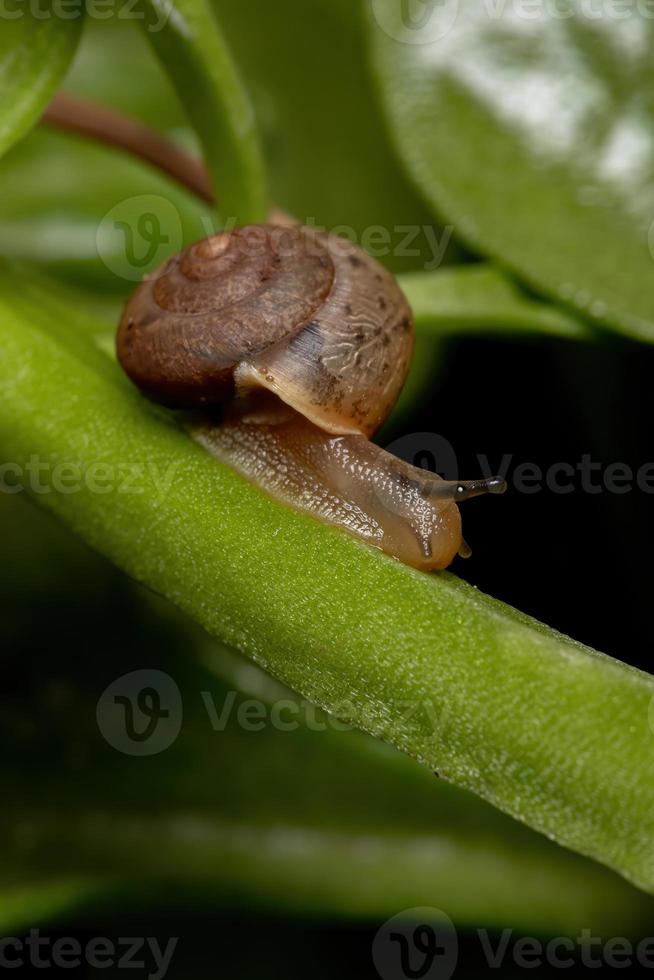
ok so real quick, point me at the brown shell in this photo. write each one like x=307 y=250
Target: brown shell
x=307 y=315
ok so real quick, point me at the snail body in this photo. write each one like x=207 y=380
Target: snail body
x=305 y=341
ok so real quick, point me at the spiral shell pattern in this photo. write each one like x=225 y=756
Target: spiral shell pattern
x=305 y=314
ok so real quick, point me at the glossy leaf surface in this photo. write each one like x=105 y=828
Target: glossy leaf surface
x=533 y=133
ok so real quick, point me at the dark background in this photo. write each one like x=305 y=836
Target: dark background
x=578 y=561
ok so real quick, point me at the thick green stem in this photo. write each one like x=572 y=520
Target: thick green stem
x=544 y=728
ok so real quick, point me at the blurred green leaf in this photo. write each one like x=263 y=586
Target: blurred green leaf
x=62 y=196
x=534 y=135
x=478 y=299
x=544 y=728
x=326 y=151
x=187 y=39
x=36 y=46
x=322 y=145
x=61 y=192
x=115 y=65
x=58 y=190
x=328 y=155
x=261 y=798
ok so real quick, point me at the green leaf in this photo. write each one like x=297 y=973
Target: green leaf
x=36 y=46
x=114 y=65
x=477 y=299
x=58 y=190
x=276 y=804
x=62 y=197
x=328 y=156
x=187 y=39
x=50 y=215
x=546 y=729
x=534 y=134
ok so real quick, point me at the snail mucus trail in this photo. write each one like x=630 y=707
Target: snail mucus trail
x=304 y=341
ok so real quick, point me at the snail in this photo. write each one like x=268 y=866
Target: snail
x=303 y=342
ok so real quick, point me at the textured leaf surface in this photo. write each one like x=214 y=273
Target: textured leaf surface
x=533 y=133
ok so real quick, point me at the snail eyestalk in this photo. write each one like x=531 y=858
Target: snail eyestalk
x=465 y=489
x=435 y=488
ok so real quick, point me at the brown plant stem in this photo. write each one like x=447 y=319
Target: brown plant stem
x=98 y=122
x=101 y=123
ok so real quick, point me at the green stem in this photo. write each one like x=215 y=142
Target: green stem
x=544 y=728
x=189 y=43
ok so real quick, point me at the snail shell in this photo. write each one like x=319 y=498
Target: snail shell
x=307 y=341
x=308 y=316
